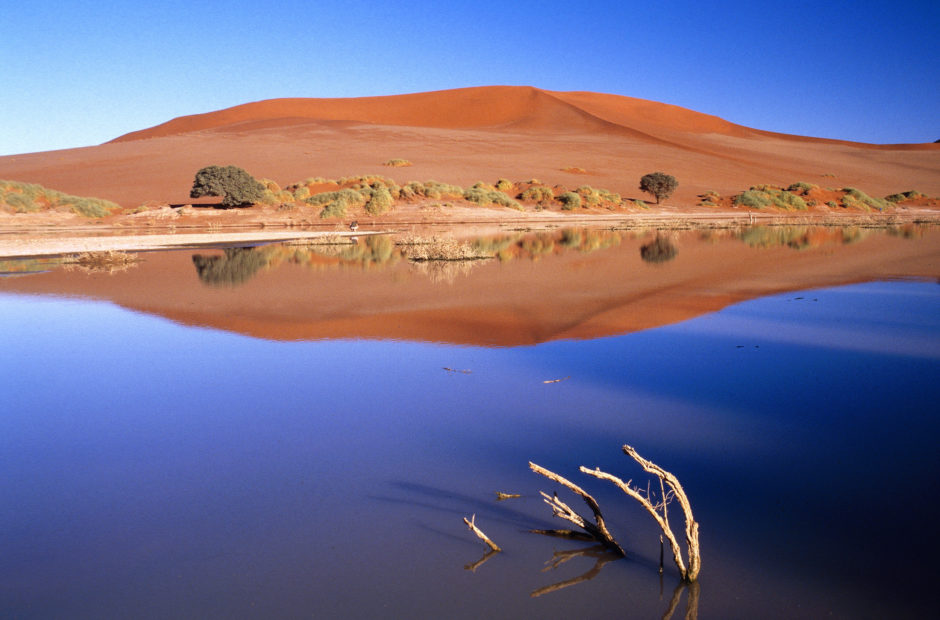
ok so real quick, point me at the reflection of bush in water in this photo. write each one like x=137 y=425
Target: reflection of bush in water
x=234 y=267
x=374 y=249
x=799 y=237
x=533 y=246
x=908 y=231
x=659 y=250
x=774 y=236
x=445 y=272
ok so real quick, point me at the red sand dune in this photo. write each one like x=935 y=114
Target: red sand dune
x=466 y=135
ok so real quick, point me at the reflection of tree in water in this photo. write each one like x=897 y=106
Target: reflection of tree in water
x=659 y=250
x=235 y=266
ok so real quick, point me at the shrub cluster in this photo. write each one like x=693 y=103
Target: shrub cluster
x=570 y=201
x=903 y=196
x=858 y=199
x=761 y=196
x=537 y=193
x=20 y=197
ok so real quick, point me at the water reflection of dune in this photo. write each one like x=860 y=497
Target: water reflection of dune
x=537 y=287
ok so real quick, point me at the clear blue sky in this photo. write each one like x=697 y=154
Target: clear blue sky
x=78 y=73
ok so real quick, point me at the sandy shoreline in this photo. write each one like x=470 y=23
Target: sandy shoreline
x=25 y=236
x=40 y=245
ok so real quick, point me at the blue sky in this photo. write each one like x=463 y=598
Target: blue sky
x=79 y=73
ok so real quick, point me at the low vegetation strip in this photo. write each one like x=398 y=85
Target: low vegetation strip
x=803 y=196
x=17 y=197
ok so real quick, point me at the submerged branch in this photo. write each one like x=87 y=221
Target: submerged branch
x=471 y=523
x=689 y=573
x=598 y=529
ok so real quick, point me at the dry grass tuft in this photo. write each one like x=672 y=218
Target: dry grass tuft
x=102 y=262
x=398 y=163
x=418 y=248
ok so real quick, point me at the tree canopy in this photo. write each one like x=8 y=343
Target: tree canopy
x=659 y=184
x=236 y=186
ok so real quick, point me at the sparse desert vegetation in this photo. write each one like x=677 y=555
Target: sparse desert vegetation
x=398 y=163
x=17 y=197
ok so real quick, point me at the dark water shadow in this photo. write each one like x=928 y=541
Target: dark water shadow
x=460 y=504
x=601 y=555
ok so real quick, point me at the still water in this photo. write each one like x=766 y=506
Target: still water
x=163 y=462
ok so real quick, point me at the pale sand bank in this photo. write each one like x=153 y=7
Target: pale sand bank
x=38 y=245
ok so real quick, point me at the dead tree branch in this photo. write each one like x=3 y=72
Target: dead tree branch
x=691 y=572
x=598 y=529
x=471 y=523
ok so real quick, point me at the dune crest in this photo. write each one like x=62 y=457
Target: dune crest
x=509 y=107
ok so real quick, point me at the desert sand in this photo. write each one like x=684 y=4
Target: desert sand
x=474 y=134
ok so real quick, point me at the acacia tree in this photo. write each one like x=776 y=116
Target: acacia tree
x=659 y=184
x=236 y=186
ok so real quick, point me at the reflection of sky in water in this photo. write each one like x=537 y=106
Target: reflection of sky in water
x=146 y=454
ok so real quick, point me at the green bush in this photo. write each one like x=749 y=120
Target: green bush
x=538 y=193
x=859 y=199
x=761 y=196
x=658 y=184
x=901 y=197
x=483 y=197
x=335 y=203
x=21 y=203
x=236 y=186
x=753 y=199
x=801 y=187
x=570 y=201
x=380 y=200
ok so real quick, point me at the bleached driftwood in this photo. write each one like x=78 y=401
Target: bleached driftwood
x=659 y=510
x=598 y=529
x=471 y=523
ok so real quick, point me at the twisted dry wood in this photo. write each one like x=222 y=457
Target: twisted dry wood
x=691 y=572
x=598 y=529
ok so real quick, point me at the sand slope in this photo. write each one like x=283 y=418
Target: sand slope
x=466 y=135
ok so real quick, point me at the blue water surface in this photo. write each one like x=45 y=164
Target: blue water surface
x=155 y=470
